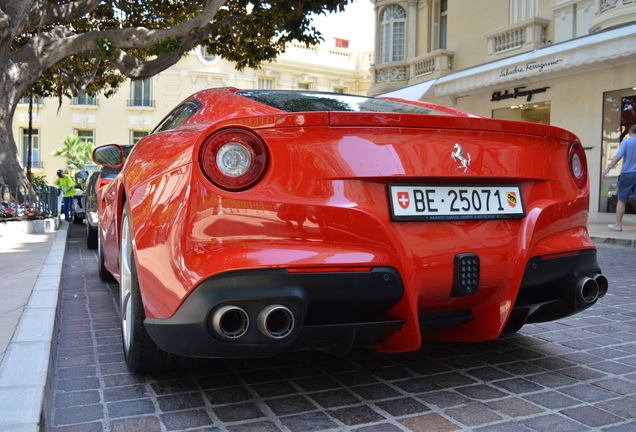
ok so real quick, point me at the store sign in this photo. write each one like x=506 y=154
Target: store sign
x=518 y=92
x=530 y=67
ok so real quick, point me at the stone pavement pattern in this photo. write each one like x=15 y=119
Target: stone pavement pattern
x=576 y=374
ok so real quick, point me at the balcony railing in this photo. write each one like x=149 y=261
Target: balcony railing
x=435 y=64
x=34 y=164
x=141 y=103
x=529 y=34
x=85 y=100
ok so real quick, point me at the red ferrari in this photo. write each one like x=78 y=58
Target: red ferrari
x=252 y=222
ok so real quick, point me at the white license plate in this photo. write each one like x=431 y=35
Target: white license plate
x=455 y=202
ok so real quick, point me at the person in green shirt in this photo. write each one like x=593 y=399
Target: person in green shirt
x=67 y=186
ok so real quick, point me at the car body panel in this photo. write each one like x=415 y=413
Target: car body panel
x=323 y=205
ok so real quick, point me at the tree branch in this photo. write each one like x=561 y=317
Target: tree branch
x=47 y=13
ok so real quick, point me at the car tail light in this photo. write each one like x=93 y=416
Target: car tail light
x=578 y=165
x=233 y=159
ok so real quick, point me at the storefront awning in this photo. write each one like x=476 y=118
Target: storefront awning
x=601 y=50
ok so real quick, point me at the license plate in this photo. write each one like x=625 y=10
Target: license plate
x=454 y=202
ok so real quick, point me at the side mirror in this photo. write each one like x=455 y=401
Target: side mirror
x=110 y=155
x=81 y=176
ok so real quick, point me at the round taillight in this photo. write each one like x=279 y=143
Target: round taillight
x=233 y=159
x=578 y=165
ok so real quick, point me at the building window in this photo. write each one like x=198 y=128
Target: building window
x=86 y=136
x=535 y=112
x=523 y=10
x=619 y=114
x=341 y=43
x=339 y=90
x=439 y=26
x=85 y=100
x=37 y=100
x=141 y=93
x=35 y=148
x=392 y=34
x=135 y=136
x=206 y=56
x=265 y=83
x=304 y=86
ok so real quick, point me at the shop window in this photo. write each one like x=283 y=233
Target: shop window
x=619 y=114
x=392 y=34
x=535 y=112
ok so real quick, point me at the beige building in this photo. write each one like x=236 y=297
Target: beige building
x=335 y=66
x=569 y=63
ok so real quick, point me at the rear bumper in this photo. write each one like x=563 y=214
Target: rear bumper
x=555 y=287
x=330 y=310
x=334 y=311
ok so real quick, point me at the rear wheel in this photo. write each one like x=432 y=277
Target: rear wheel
x=140 y=351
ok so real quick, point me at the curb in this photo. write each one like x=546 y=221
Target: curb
x=614 y=241
x=25 y=371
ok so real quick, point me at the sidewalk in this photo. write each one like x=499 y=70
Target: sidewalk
x=31 y=266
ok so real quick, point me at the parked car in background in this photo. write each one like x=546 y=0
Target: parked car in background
x=96 y=181
x=252 y=222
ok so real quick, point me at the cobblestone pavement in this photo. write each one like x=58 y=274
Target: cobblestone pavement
x=576 y=374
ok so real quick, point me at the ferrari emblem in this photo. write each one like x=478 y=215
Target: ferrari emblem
x=458 y=155
x=403 y=199
x=512 y=198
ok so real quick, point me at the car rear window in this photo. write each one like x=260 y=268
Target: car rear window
x=178 y=115
x=294 y=101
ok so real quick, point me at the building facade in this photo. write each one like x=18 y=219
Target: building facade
x=129 y=115
x=568 y=63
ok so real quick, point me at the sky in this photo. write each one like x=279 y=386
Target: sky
x=356 y=24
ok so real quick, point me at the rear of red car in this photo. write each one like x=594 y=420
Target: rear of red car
x=361 y=228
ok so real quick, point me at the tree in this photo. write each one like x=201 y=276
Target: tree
x=75 y=151
x=71 y=47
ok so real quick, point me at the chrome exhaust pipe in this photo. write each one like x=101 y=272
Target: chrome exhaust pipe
x=603 y=284
x=230 y=322
x=275 y=321
x=587 y=291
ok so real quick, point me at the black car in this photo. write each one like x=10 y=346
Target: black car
x=96 y=180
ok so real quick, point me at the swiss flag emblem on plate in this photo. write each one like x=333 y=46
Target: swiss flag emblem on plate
x=403 y=199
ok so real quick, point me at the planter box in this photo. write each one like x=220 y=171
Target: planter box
x=12 y=228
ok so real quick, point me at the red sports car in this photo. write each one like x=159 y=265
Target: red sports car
x=252 y=222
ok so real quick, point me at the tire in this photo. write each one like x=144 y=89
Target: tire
x=77 y=219
x=91 y=236
x=140 y=351
x=104 y=274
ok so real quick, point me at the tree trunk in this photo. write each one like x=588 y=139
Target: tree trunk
x=11 y=173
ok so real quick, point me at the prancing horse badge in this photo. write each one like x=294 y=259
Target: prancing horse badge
x=458 y=154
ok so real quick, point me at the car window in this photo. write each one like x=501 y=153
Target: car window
x=178 y=115
x=293 y=101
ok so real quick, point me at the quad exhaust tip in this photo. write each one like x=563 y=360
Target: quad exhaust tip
x=275 y=321
x=230 y=322
x=602 y=283
x=587 y=291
